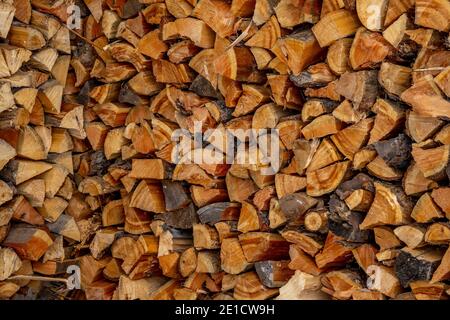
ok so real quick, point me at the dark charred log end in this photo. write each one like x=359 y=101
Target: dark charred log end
x=409 y=268
x=396 y=152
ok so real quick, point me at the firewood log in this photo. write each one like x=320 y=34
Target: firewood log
x=205 y=237
x=326 y=180
x=29 y=243
x=141 y=194
x=316 y=221
x=10 y=263
x=442 y=272
x=248 y=218
x=438 y=233
x=288 y=184
x=424 y=12
x=413 y=236
x=188 y=262
x=422 y=265
x=430 y=101
x=395 y=9
x=23 y=211
x=302 y=286
x=432 y=162
x=368 y=49
x=295 y=205
x=220 y=211
x=66 y=226
x=298 y=50
x=143 y=289
x=341 y=284
x=384 y=280
x=291 y=13
x=365 y=294
x=422 y=127
x=333 y=253
x=208 y=262
x=423 y=290
x=415 y=181
x=372 y=13
x=232 y=257
x=440 y=196
x=229 y=66
x=112 y=114
x=426 y=209
x=249 y=287
x=343 y=22
x=365 y=256
x=259 y=246
x=217 y=15
x=273 y=274
x=400 y=207
x=345 y=223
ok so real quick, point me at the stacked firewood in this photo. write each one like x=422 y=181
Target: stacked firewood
x=92 y=92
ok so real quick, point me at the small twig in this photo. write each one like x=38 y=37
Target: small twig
x=429 y=69
x=38 y=278
x=79 y=35
x=241 y=36
x=84 y=38
x=314 y=145
x=106 y=47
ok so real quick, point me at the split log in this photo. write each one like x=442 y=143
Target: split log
x=338 y=56
x=368 y=49
x=347 y=224
x=360 y=87
x=386 y=238
x=440 y=197
x=301 y=261
x=421 y=127
x=295 y=205
x=442 y=272
x=273 y=274
x=298 y=50
x=333 y=253
x=413 y=236
x=10 y=263
x=392 y=202
x=249 y=287
x=343 y=22
x=426 y=98
x=351 y=139
x=309 y=242
x=316 y=221
x=29 y=243
x=260 y=246
x=421 y=264
x=415 y=182
x=426 y=209
x=341 y=284
x=434 y=15
x=188 y=262
x=438 y=233
x=302 y=286
x=384 y=280
x=432 y=162
x=326 y=180
x=389 y=118
x=232 y=256
x=220 y=211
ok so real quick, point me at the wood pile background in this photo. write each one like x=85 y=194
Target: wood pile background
x=359 y=90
